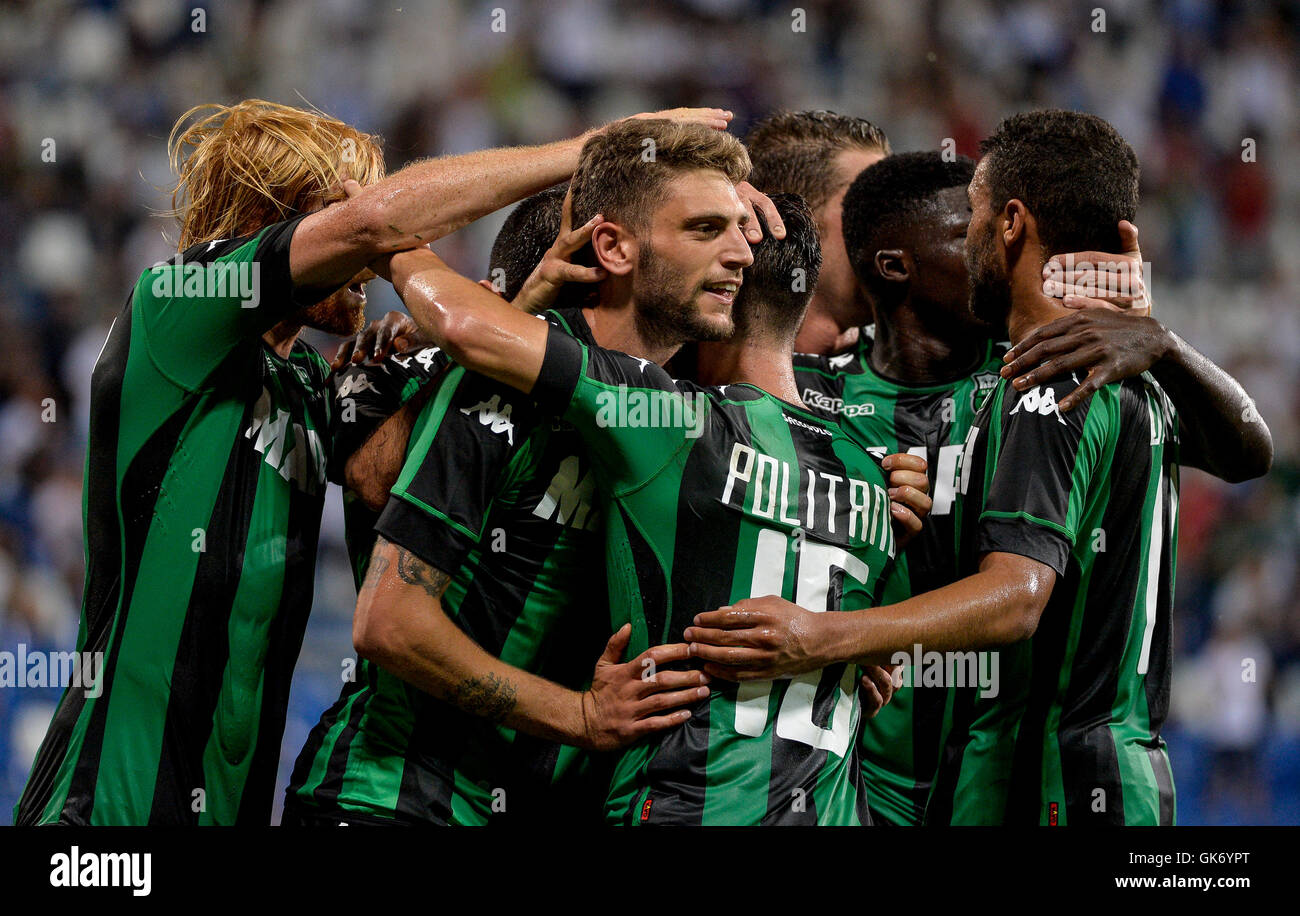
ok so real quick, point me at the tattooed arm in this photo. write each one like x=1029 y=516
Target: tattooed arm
x=401 y=626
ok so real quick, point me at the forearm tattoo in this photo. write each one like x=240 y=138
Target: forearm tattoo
x=489 y=696
x=414 y=571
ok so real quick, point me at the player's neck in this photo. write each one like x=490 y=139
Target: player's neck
x=827 y=330
x=905 y=349
x=281 y=338
x=1030 y=308
x=614 y=326
x=756 y=362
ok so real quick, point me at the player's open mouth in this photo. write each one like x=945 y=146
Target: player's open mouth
x=726 y=291
x=359 y=288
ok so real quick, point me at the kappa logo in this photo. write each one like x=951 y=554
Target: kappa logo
x=816 y=399
x=354 y=384
x=1041 y=401
x=491 y=413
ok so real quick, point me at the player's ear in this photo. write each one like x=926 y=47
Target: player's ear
x=893 y=265
x=490 y=287
x=615 y=248
x=1016 y=223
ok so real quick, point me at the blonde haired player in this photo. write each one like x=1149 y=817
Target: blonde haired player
x=207 y=455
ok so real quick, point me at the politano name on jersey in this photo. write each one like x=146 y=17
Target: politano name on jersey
x=747 y=496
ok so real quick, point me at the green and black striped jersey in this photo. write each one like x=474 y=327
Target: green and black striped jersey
x=499 y=496
x=205 y=480
x=715 y=495
x=1070 y=734
x=900 y=746
x=365 y=396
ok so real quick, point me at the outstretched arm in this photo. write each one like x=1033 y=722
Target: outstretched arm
x=401 y=626
x=433 y=198
x=1220 y=429
x=769 y=637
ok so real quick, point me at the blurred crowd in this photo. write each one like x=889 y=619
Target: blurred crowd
x=1208 y=93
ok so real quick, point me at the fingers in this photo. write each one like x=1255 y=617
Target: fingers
x=717 y=118
x=909 y=524
x=728 y=673
x=747 y=637
x=872 y=701
x=883 y=680
x=1037 y=361
x=755 y=199
x=569 y=242
x=663 y=680
x=731 y=656
x=343 y=355
x=662 y=655
x=1089 y=302
x=1128 y=239
x=1100 y=375
x=351 y=187
x=658 y=702
x=902 y=461
x=615 y=646
x=558 y=273
x=917 y=480
x=643 y=727
x=566 y=212
x=729 y=618
x=911 y=498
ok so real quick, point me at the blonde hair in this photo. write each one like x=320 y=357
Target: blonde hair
x=242 y=167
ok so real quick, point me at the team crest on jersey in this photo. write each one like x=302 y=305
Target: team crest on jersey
x=984 y=383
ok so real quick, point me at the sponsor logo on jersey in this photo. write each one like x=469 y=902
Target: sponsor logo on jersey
x=1041 y=399
x=984 y=383
x=570 y=498
x=353 y=384
x=491 y=413
x=795 y=421
x=814 y=398
x=303 y=464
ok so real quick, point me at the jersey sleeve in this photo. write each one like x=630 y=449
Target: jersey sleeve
x=632 y=415
x=196 y=308
x=460 y=449
x=365 y=396
x=1044 y=464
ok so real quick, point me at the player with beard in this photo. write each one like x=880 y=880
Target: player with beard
x=1045 y=521
x=817 y=154
x=207 y=454
x=710 y=491
x=485 y=603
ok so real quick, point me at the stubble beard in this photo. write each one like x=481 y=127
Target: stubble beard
x=666 y=314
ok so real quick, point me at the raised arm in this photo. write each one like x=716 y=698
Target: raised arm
x=1220 y=430
x=433 y=198
x=477 y=328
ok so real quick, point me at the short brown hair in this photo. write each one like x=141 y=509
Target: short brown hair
x=793 y=150
x=255 y=163
x=623 y=170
